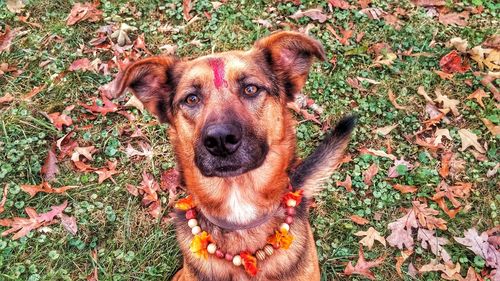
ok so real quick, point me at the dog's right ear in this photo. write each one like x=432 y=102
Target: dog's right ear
x=153 y=82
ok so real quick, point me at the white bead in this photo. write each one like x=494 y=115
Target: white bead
x=237 y=260
x=268 y=249
x=285 y=226
x=195 y=230
x=192 y=223
x=291 y=203
x=211 y=248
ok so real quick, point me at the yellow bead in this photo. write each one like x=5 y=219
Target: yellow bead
x=291 y=203
x=260 y=255
x=211 y=248
x=268 y=249
x=285 y=226
x=192 y=223
x=195 y=230
x=237 y=260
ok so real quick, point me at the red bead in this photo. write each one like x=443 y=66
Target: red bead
x=289 y=219
x=219 y=254
x=229 y=257
x=290 y=211
x=191 y=214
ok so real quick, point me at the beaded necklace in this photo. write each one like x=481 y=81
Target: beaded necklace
x=202 y=244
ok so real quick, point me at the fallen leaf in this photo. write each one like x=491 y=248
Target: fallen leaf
x=49 y=168
x=6 y=38
x=341 y=4
x=107 y=172
x=444 y=171
x=314 y=14
x=60 y=119
x=22 y=226
x=4 y=198
x=86 y=152
x=146 y=150
x=493 y=171
x=370 y=236
x=81 y=64
x=44 y=187
x=421 y=91
x=359 y=220
x=135 y=102
x=132 y=190
x=69 y=223
x=401 y=231
x=34 y=92
x=405 y=188
x=468 y=138
x=392 y=99
x=429 y=240
x=480 y=245
x=448 y=269
x=364 y=3
x=347 y=183
x=401 y=259
x=362 y=266
x=373 y=13
x=107 y=106
x=149 y=188
x=459 y=19
x=186 y=8
x=385 y=130
x=452 y=63
x=494 y=130
x=429 y=3
x=426 y=216
x=439 y=134
x=478 y=94
x=15 y=6
x=84 y=11
x=6 y=98
x=459 y=44
x=444 y=75
x=375 y=152
x=170 y=179
x=399 y=164
x=447 y=103
x=345 y=34
x=121 y=35
x=370 y=173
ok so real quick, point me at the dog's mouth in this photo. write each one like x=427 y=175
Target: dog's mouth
x=249 y=156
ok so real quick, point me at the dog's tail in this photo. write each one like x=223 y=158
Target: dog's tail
x=318 y=167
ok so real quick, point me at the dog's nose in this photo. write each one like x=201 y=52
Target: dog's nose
x=222 y=139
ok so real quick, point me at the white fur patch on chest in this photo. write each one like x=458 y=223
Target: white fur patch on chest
x=241 y=211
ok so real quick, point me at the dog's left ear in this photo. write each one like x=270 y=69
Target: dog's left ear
x=290 y=55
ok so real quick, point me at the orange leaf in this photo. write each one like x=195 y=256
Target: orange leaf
x=478 y=94
x=185 y=204
x=199 y=244
x=370 y=173
x=347 y=183
x=400 y=260
x=426 y=216
x=392 y=99
x=84 y=11
x=4 y=198
x=444 y=171
x=405 y=188
x=359 y=220
x=44 y=187
x=281 y=239
x=107 y=172
x=362 y=266
x=452 y=62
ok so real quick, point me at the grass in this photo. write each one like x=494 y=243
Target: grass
x=129 y=244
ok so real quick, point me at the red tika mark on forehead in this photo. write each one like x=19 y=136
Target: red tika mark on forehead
x=217 y=66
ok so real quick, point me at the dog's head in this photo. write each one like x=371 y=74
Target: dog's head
x=229 y=124
x=226 y=109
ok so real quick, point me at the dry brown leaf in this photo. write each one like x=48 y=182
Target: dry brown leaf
x=459 y=19
x=15 y=6
x=49 y=168
x=6 y=98
x=359 y=220
x=439 y=134
x=392 y=98
x=362 y=266
x=22 y=226
x=69 y=223
x=4 y=198
x=84 y=11
x=493 y=171
x=86 y=152
x=385 y=130
x=107 y=172
x=370 y=236
x=478 y=94
x=44 y=187
x=468 y=138
x=6 y=38
x=429 y=3
x=314 y=14
x=444 y=75
x=444 y=171
x=429 y=240
x=370 y=173
x=447 y=103
x=34 y=92
x=375 y=152
x=135 y=102
x=460 y=44
x=405 y=188
x=421 y=91
x=341 y=4
x=426 y=216
x=401 y=231
x=186 y=8
x=347 y=183
x=494 y=129
x=448 y=270
x=401 y=259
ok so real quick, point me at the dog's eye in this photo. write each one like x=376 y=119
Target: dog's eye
x=192 y=99
x=250 y=90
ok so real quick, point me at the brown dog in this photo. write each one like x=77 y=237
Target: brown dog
x=235 y=145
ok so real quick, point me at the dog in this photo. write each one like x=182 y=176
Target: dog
x=246 y=217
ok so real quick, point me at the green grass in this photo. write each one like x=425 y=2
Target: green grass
x=130 y=245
